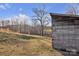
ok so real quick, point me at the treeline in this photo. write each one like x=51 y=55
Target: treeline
x=23 y=27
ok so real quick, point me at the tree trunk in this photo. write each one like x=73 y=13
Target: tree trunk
x=42 y=30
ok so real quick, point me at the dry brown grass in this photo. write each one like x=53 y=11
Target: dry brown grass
x=8 y=31
x=15 y=45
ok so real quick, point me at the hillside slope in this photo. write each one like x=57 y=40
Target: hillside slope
x=27 y=45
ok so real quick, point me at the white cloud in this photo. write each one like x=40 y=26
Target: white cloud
x=20 y=9
x=22 y=18
x=22 y=15
x=7 y=5
x=4 y=6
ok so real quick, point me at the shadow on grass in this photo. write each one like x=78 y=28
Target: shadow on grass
x=25 y=37
x=4 y=36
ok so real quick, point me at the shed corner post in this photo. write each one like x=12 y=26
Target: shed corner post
x=52 y=28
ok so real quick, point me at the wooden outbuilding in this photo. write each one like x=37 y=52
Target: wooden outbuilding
x=65 y=34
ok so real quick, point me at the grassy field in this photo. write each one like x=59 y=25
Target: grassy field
x=13 y=44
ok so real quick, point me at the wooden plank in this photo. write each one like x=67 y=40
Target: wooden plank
x=66 y=37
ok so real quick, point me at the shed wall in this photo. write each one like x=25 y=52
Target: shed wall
x=65 y=35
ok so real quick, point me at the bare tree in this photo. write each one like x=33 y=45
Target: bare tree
x=73 y=9
x=24 y=25
x=41 y=17
x=2 y=24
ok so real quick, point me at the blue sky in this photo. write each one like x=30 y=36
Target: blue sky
x=8 y=10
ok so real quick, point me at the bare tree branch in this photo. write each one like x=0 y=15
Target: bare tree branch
x=41 y=17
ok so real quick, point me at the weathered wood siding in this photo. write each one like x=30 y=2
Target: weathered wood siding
x=65 y=35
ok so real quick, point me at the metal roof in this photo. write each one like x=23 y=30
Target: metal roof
x=64 y=15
